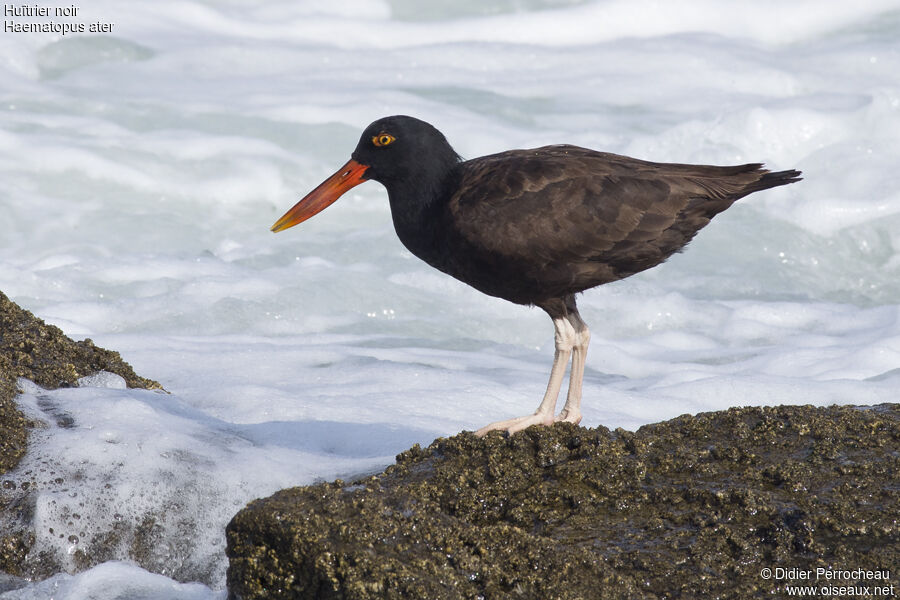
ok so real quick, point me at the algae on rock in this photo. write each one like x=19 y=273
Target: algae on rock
x=692 y=507
x=43 y=353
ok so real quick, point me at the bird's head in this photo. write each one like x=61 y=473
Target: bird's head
x=395 y=151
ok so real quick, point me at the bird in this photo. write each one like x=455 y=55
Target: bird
x=537 y=226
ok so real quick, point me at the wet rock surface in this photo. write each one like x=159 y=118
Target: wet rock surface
x=12 y=423
x=32 y=349
x=693 y=507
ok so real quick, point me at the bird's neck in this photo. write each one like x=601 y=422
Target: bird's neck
x=418 y=207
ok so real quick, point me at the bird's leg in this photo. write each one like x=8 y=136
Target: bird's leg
x=565 y=340
x=571 y=412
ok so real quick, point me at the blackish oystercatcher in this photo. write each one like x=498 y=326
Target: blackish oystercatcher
x=536 y=226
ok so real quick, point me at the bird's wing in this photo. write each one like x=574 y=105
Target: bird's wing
x=565 y=204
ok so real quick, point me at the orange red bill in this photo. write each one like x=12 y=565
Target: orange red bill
x=348 y=176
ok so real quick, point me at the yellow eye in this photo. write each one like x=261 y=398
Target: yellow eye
x=383 y=139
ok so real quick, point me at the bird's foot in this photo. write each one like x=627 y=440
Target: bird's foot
x=567 y=416
x=518 y=424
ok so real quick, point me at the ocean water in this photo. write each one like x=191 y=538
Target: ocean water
x=141 y=168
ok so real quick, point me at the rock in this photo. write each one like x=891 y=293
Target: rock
x=12 y=423
x=32 y=349
x=693 y=507
x=43 y=353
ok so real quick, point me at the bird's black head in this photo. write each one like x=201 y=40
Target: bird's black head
x=410 y=157
x=399 y=149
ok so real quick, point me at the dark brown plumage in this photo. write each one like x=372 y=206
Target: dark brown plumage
x=540 y=224
x=536 y=226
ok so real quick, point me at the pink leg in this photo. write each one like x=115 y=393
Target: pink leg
x=566 y=340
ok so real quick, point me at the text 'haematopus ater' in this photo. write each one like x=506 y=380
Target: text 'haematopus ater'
x=536 y=226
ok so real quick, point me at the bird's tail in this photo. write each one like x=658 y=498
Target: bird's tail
x=728 y=184
x=770 y=180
